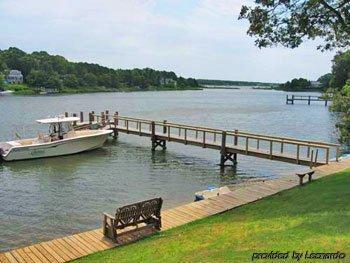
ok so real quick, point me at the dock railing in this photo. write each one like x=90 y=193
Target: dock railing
x=259 y=145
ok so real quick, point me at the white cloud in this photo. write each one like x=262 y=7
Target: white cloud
x=199 y=38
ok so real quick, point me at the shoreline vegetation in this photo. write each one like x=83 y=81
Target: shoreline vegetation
x=23 y=89
x=41 y=73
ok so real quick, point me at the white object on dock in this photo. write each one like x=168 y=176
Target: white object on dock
x=206 y=194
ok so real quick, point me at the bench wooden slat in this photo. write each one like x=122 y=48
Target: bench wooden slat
x=145 y=212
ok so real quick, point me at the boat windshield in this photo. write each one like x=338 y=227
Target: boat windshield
x=58 y=130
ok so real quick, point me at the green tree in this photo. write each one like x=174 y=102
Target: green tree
x=2 y=82
x=290 y=22
x=70 y=81
x=325 y=80
x=340 y=70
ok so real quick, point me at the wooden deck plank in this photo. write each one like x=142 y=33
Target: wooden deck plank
x=44 y=252
x=4 y=259
x=52 y=252
x=11 y=258
x=36 y=257
x=15 y=255
x=24 y=255
x=56 y=250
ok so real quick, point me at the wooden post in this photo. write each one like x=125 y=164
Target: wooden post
x=337 y=154
x=116 y=118
x=246 y=145
x=286 y=99
x=140 y=128
x=203 y=139
x=66 y=114
x=271 y=149
x=185 y=136
x=308 y=151
x=311 y=159
x=93 y=116
x=257 y=144
x=90 y=118
x=236 y=138
x=81 y=117
x=127 y=125
x=115 y=122
x=223 y=148
x=164 y=126
x=153 y=135
x=316 y=156
x=107 y=115
x=327 y=155
x=309 y=100
x=282 y=146
x=103 y=120
x=325 y=103
x=298 y=153
x=74 y=115
x=292 y=99
x=169 y=133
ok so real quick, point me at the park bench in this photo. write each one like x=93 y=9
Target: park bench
x=303 y=174
x=145 y=212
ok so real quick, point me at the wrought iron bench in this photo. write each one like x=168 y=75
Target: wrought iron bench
x=147 y=212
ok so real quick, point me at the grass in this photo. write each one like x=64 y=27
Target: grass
x=313 y=218
x=20 y=89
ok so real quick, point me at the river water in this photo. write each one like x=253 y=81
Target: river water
x=46 y=198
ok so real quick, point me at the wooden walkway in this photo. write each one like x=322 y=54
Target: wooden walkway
x=229 y=143
x=78 y=245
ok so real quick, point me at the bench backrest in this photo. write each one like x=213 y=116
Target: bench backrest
x=138 y=212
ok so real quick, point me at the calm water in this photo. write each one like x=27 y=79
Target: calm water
x=46 y=198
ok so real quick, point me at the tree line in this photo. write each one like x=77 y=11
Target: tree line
x=41 y=69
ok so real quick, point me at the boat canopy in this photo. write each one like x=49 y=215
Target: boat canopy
x=58 y=120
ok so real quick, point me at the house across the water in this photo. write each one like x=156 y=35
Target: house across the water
x=14 y=77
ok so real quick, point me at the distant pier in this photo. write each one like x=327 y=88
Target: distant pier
x=292 y=98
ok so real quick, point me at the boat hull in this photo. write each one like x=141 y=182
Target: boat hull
x=58 y=148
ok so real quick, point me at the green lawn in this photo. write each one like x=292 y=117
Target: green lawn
x=314 y=218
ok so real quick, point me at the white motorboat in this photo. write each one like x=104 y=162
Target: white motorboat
x=61 y=140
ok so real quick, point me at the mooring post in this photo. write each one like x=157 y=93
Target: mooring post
x=81 y=117
x=66 y=114
x=90 y=117
x=292 y=99
x=223 y=149
x=153 y=135
x=309 y=100
x=93 y=115
x=325 y=102
x=286 y=99
x=74 y=115
x=107 y=115
x=103 y=120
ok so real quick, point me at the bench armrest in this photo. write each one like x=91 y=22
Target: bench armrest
x=108 y=216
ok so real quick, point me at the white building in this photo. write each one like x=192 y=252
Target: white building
x=15 y=77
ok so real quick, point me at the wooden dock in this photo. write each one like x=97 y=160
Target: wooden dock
x=292 y=98
x=78 y=245
x=229 y=143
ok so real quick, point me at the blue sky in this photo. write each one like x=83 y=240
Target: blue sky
x=201 y=39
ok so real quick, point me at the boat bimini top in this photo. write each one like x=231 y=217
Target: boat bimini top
x=58 y=120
